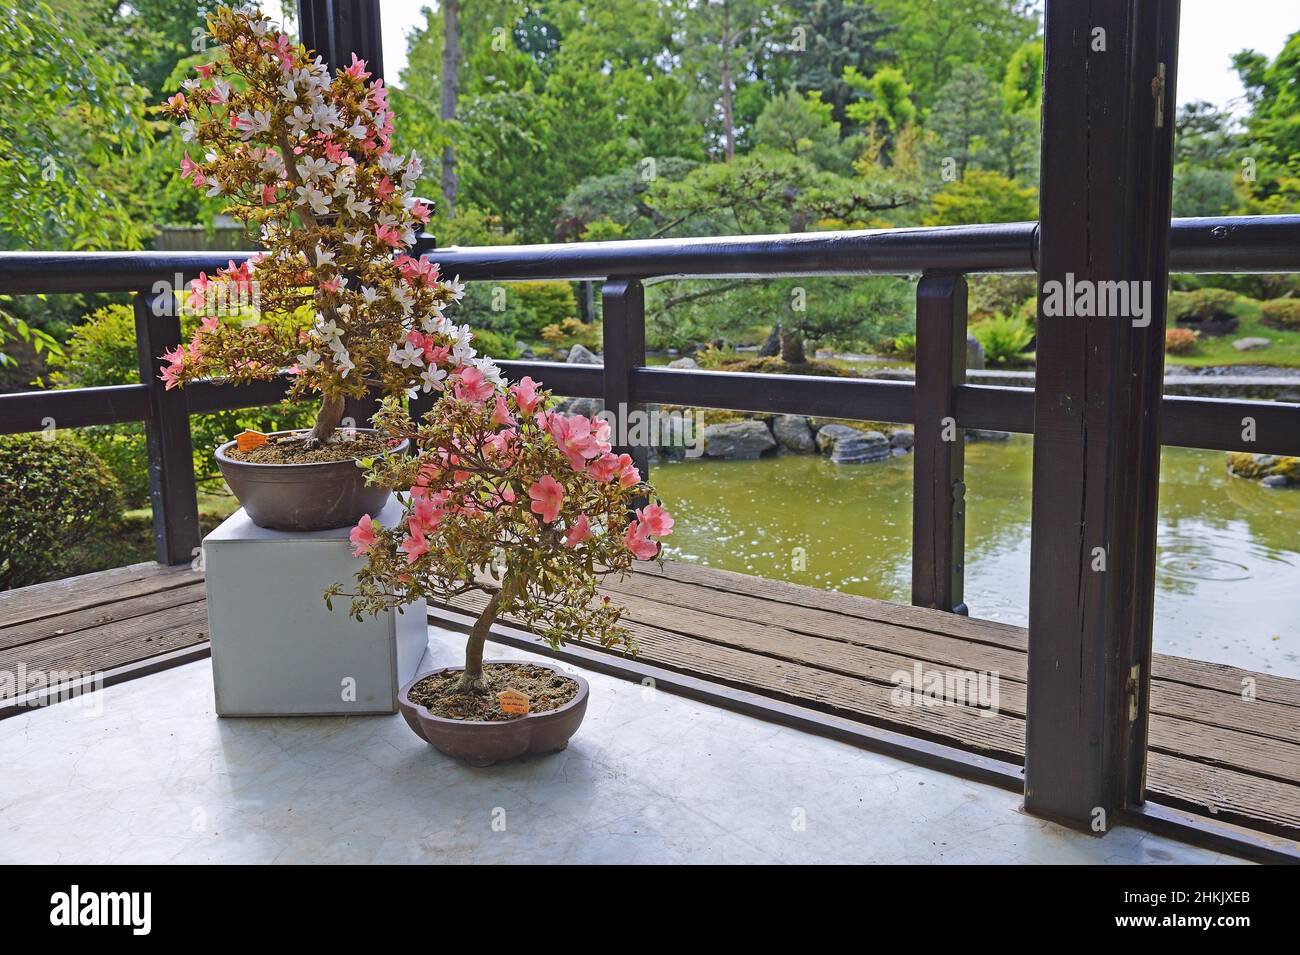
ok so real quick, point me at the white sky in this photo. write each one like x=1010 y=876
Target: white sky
x=1212 y=31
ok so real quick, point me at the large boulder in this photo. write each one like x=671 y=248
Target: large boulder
x=582 y=355
x=687 y=363
x=738 y=440
x=1270 y=470
x=793 y=433
x=1251 y=344
x=974 y=353
x=902 y=440
x=848 y=445
x=587 y=407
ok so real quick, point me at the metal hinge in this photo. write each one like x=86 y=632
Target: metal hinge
x=1133 y=674
x=1158 y=91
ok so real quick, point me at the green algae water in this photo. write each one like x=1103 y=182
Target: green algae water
x=1228 y=582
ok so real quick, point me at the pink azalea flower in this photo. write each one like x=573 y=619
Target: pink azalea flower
x=420 y=212
x=198 y=291
x=268 y=196
x=501 y=414
x=175 y=364
x=177 y=103
x=526 y=396
x=574 y=436
x=604 y=468
x=283 y=52
x=205 y=70
x=637 y=540
x=546 y=495
x=389 y=235
x=330 y=285
x=579 y=532
x=415 y=544
x=358 y=69
x=189 y=168
x=472 y=386
x=656 y=519
x=427 y=514
x=362 y=536
x=385 y=189
x=628 y=475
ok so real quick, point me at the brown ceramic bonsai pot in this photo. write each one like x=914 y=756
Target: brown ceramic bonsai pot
x=482 y=743
x=303 y=497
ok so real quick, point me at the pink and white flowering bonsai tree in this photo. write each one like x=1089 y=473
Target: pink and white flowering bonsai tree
x=306 y=158
x=523 y=506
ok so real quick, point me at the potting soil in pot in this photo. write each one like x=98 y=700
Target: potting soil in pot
x=545 y=688
x=292 y=451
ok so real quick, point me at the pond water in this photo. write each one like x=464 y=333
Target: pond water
x=1228 y=563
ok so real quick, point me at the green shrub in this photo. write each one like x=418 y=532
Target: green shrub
x=55 y=490
x=1281 y=313
x=540 y=304
x=904 y=346
x=572 y=332
x=1003 y=337
x=495 y=345
x=101 y=351
x=1204 y=305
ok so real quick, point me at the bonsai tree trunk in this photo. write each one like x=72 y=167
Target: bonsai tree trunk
x=473 y=680
x=328 y=417
x=792 y=347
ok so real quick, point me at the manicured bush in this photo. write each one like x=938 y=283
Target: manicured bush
x=55 y=490
x=1003 y=337
x=1180 y=341
x=540 y=304
x=572 y=332
x=1281 y=313
x=904 y=346
x=1205 y=305
x=495 y=345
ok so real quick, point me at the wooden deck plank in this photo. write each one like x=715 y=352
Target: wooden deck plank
x=1212 y=748
x=72 y=621
x=113 y=644
x=41 y=601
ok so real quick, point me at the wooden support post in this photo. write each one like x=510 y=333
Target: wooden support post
x=1108 y=111
x=623 y=323
x=939 y=448
x=338 y=28
x=172 y=492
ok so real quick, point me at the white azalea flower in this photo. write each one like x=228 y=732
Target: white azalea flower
x=433 y=378
x=408 y=356
x=319 y=202
x=188 y=131
x=324 y=256
x=309 y=360
x=355 y=238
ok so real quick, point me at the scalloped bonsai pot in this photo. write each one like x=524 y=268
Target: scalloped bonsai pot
x=481 y=742
x=303 y=497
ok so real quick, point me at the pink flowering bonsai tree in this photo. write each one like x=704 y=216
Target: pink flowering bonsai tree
x=306 y=158
x=521 y=507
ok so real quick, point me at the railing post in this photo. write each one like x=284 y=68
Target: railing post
x=1106 y=173
x=939 y=446
x=623 y=324
x=172 y=493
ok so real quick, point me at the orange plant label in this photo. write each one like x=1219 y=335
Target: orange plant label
x=512 y=701
x=248 y=440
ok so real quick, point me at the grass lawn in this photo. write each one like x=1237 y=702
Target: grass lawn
x=1284 y=353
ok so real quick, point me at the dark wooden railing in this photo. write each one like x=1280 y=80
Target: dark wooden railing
x=941 y=256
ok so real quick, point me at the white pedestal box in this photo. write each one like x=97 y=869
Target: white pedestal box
x=276 y=649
